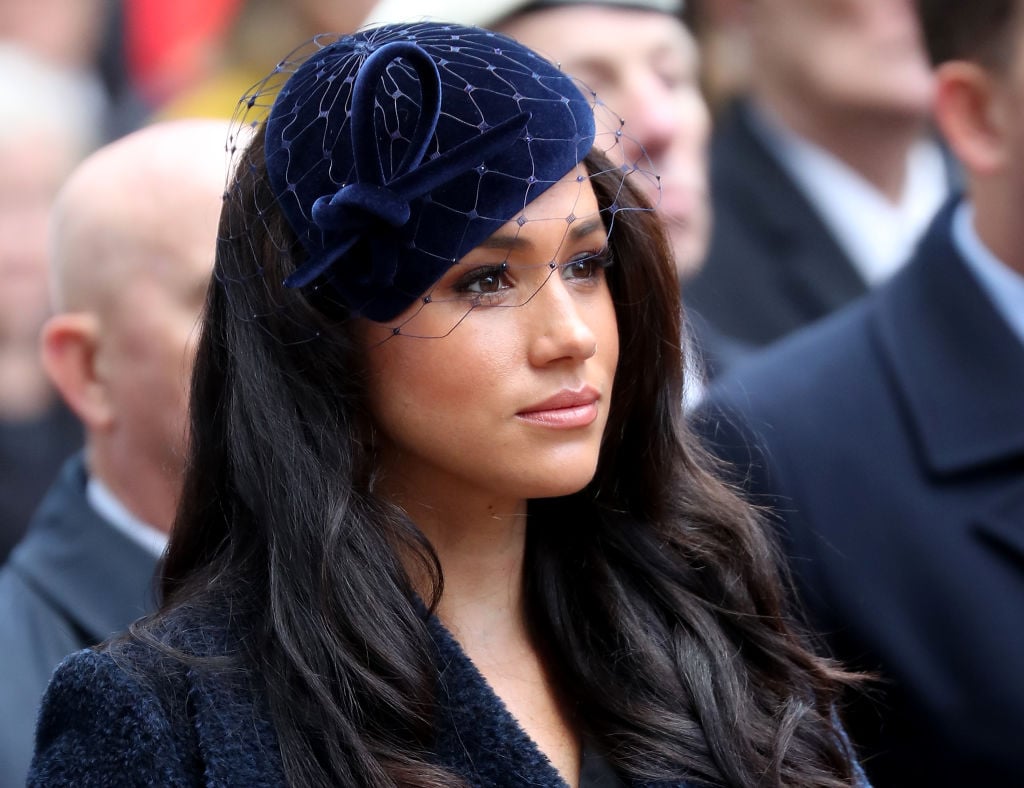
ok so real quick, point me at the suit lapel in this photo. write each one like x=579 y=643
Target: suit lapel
x=959 y=371
x=1001 y=527
x=957 y=366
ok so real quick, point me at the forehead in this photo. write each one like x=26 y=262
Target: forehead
x=566 y=212
x=570 y=198
x=585 y=32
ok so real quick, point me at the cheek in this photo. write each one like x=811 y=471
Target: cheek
x=426 y=386
x=696 y=117
x=172 y=350
x=607 y=333
x=157 y=352
x=399 y=393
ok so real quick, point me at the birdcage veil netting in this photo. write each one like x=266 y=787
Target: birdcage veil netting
x=392 y=153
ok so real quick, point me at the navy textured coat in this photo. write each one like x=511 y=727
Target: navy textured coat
x=132 y=716
x=72 y=582
x=891 y=440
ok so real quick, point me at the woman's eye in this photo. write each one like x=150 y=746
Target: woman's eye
x=486 y=280
x=586 y=267
x=491 y=283
x=675 y=80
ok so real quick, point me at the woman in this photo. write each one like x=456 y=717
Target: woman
x=442 y=523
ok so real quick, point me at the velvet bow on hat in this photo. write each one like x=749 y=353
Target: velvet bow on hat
x=395 y=151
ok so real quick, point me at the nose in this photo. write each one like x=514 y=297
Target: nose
x=660 y=118
x=652 y=116
x=559 y=330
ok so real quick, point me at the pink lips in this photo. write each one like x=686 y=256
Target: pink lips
x=565 y=410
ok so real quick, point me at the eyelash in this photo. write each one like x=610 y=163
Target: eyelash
x=596 y=262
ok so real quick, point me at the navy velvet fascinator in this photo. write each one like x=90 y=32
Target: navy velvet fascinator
x=395 y=151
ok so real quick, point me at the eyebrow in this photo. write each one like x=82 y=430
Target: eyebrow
x=508 y=241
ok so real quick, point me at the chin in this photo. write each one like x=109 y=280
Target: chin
x=559 y=486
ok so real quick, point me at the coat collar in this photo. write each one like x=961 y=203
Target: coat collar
x=956 y=364
x=1000 y=525
x=235 y=737
x=100 y=579
x=478 y=737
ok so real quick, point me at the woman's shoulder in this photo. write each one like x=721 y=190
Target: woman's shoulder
x=97 y=720
x=160 y=709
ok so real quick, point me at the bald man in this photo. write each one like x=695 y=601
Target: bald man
x=133 y=240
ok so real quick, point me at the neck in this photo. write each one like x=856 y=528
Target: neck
x=997 y=224
x=877 y=146
x=149 y=492
x=480 y=542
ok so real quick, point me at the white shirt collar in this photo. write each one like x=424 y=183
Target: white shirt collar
x=114 y=512
x=877 y=235
x=1003 y=286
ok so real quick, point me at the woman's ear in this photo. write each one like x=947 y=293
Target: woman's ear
x=970 y=111
x=69 y=348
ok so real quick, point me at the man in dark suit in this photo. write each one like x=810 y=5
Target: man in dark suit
x=134 y=233
x=890 y=440
x=823 y=176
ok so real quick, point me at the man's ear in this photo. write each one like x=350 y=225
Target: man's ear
x=69 y=349
x=970 y=111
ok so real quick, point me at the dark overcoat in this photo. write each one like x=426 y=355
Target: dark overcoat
x=890 y=439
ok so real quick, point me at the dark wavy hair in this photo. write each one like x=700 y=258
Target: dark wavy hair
x=671 y=637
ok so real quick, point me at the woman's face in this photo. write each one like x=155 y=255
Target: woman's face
x=512 y=403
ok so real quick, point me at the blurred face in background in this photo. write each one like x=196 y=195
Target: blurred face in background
x=332 y=15
x=862 y=56
x=65 y=32
x=134 y=237
x=644 y=66
x=32 y=167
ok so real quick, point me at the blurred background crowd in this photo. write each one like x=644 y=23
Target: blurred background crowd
x=801 y=164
